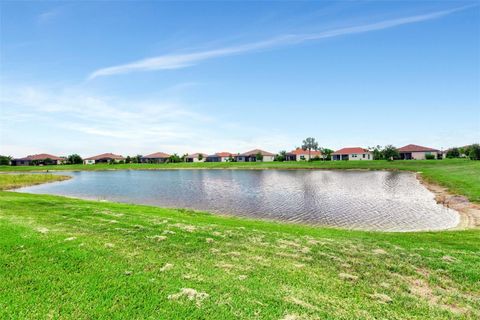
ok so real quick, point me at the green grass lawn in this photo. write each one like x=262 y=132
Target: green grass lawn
x=65 y=258
x=459 y=176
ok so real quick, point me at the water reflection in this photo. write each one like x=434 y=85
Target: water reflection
x=372 y=200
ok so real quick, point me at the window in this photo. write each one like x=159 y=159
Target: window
x=354 y=155
x=363 y=156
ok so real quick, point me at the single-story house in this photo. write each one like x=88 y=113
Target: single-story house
x=415 y=152
x=251 y=156
x=103 y=158
x=219 y=157
x=355 y=153
x=38 y=159
x=302 y=155
x=196 y=157
x=157 y=157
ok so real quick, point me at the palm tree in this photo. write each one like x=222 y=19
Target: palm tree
x=310 y=144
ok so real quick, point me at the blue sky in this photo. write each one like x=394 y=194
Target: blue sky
x=141 y=77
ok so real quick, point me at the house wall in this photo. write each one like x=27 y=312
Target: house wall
x=88 y=161
x=196 y=159
x=268 y=158
x=421 y=155
x=359 y=156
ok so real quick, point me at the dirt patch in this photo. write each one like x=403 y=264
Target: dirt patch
x=190 y=294
x=469 y=212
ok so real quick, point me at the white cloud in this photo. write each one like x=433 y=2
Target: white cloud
x=72 y=121
x=176 y=61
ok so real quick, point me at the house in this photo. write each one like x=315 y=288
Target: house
x=38 y=159
x=355 y=153
x=415 y=152
x=103 y=158
x=302 y=155
x=251 y=156
x=219 y=157
x=196 y=157
x=158 y=157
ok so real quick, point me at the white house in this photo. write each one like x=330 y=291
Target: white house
x=103 y=158
x=302 y=155
x=356 y=154
x=415 y=152
x=196 y=157
x=251 y=156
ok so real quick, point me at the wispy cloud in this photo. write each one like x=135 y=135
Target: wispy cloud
x=177 y=61
x=47 y=16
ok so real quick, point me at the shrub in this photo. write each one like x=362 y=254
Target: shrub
x=474 y=151
x=5 y=160
x=74 y=159
x=429 y=157
x=453 y=153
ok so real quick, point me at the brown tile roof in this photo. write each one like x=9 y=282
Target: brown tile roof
x=255 y=152
x=415 y=148
x=157 y=155
x=106 y=156
x=41 y=156
x=351 y=150
x=195 y=155
x=300 y=151
x=221 y=154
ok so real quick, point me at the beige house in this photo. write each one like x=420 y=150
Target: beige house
x=103 y=158
x=414 y=152
x=196 y=157
x=157 y=157
x=354 y=154
x=38 y=159
x=251 y=156
x=302 y=155
x=219 y=157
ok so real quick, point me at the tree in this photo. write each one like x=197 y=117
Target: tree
x=453 y=153
x=200 y=157
x=5 y=160
x=74 y=159
x=259 y=156
x=474 y=151
x=174 y=158
x=389 y=153
x=326 y=154
x=309 y=144
x=128 y=159
x=281 y=156
x=377 y=152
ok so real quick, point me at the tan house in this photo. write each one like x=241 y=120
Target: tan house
x=302 y=155
x=38 y=159
x=219 y=157
x=355 y=154
x=103 y=158
x=157 y=157
x=415 y=152
x=251 y=156
x=196 y=157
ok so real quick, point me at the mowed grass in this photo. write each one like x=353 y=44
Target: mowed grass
x=65 y=258
x=460 y=176
x=12 y=181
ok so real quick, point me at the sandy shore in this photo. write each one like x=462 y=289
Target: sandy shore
x=469 y=212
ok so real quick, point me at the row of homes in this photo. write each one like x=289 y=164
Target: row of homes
x=407 y=152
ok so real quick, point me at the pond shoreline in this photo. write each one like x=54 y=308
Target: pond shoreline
x=469 y=212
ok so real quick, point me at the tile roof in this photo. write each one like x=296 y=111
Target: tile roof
x=415 y=148
x=255 y=152
x=157 y=155
x=351 y=150
x=300 y=151
x=106 y=156
x=41 y=156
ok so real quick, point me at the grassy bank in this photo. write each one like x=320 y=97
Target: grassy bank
x=74 y=259
x=12 y=181
x=459 y=176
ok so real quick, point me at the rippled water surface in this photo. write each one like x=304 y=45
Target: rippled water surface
x=372 y=200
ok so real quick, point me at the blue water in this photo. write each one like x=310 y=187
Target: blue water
x=369 y=200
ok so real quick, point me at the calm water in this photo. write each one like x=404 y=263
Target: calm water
x=372 y=200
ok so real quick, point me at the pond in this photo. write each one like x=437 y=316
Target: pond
x=367 y=200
